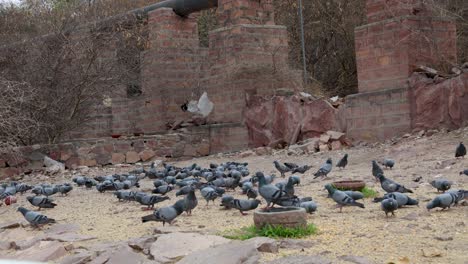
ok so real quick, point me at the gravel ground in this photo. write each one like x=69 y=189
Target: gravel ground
x=413 y=236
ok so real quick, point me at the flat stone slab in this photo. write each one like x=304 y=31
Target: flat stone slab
x=174 y=246
x=231 y=253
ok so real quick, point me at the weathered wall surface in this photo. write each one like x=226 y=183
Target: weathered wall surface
x=284 y=120
x=436 y=103
x=400 y=36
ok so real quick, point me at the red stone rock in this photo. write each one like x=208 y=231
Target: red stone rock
x=146 y=155
x=336 y=145
x=439 y=104
x=132 y=157
x=275 y=120
x=118 y=158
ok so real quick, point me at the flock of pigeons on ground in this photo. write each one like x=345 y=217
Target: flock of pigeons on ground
x=213 y=182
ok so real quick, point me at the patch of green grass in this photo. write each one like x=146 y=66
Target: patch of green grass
x=369 y=193
x=271 y=231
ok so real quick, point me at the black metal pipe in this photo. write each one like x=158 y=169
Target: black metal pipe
x=180 y=7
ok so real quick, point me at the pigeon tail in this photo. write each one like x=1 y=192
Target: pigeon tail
x=148 y=218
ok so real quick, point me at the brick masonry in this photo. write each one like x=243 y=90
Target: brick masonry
x=400 y=36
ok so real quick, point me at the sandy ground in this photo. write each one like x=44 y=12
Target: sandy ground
x=359 y=232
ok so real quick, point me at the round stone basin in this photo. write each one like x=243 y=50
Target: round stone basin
x=349 y=185
x=283 y=216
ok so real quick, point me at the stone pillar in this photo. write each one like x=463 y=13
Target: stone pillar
x=247 y=56
x=400 y=36
x=171 y=68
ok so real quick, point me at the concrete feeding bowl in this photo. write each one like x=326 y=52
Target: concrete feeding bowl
x=281 y=216
x=349 y=185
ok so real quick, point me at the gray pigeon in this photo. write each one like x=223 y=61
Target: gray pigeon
x=184 y=190
x=441 y=185
x=343 y=162
x=355 y=195
x=252 y=194
x=281 y=168
x=461 y=195
x=64 y=189
x=388 y=163
x=296 y=179
x=389 y=206
x=376 y=170
x=190 y=201
x=226 y=201
x=391 y=186
x=460 y=151
x=22 y=188
x=246 y=186
x=8 y=191
x=309 y=206
x=269 y=192
x=163 y=189
x=301 y=169
x=293 y=201
x=443 y=201
x=244 y=205
x=401 y=198
x=34 y=218
x=325 y=169
x=209 y=193
x=166 y=214
x=150 y=200
x=125 y=195
x=341 y=198
x=464 y=172
x=41 y=202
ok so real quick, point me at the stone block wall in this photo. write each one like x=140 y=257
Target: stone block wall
x=378 y=115
x=400 y=36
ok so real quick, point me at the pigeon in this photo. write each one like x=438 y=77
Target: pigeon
x=184 y=190
x=355 y=195
x=8 y=191
x=89 y=183
x=441 y=185
x=443 y=201
x=246 y=186
x=209 y=193
x=376 y=170
x=41 y=202
x=460 y=151
x=35 y=218
x=125 y=195
x=190 y=201
x=150 y=200
x=269 y=192
x=389 y=206
x=22 y=188
x=309 y=206
x=301 y=169
x=341 y=198
x=291 y=165
x=391 y=186
x=296 y=179
x=401 y=198
x=252 y=194
x=464 y=172
x=388 y=163
x=166 y=214
x=325 y=169
x=80 y=180
x=289 y=187
x=293 y=201
x=343 y=162
x=226 y=201
x=163 y=189
x=64 y=189
x=281 y=168
x=461 y=194
x=245 y=205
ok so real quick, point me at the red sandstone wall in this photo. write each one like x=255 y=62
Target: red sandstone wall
x=439 y=104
